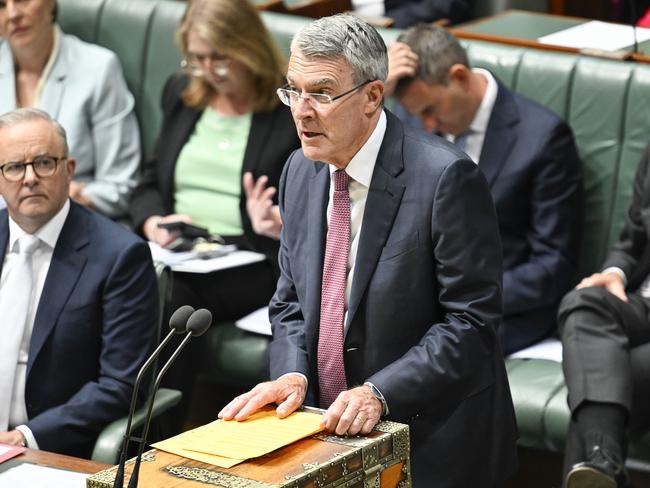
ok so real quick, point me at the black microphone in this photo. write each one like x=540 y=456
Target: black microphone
x=178 y=325
x=197 y=324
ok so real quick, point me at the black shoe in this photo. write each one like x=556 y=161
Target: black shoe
x=601 y=470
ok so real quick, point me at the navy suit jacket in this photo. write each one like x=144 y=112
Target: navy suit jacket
x=406 y=13
x=424 y=305
x=95 y=324
x=530 y=161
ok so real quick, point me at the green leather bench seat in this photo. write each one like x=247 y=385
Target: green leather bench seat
x=606 y=102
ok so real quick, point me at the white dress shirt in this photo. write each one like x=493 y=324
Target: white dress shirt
x=41 y=259
x=360 y=170
x=478 y=127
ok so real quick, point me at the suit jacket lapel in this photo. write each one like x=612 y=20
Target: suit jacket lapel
x=316 y=235
x=7 y=79
x=257 y=136
x=384 y=197
x=499 y=136
x=52 y=94
x=68 y=261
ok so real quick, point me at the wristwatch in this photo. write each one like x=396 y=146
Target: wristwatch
x=375 y=391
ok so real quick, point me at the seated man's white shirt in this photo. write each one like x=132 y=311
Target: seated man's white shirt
x=478 y=127
x=41 y=259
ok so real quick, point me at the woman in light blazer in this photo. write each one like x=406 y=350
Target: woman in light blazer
x=82 y=86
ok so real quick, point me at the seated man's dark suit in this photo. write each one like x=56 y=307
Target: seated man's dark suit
x=606 y=342
x=95 y=325
x=406 y=13
x=424 y=305
x=530 y=161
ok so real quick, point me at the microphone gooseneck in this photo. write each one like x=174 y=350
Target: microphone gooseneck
x=178 y=325
x=197 y=324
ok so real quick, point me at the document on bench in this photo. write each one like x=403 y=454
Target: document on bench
x=603 y=36
x=35 y=476
x=227 y=443
x=191 y=262
x=256 y=322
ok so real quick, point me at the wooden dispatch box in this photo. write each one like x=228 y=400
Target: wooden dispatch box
x=378 y=460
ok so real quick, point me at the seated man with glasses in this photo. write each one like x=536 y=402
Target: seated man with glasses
x=78 y=298
x=390 y=287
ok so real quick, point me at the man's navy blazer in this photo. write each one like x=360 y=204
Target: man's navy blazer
x=424 y=305
x=94 y=327
x=530 y=161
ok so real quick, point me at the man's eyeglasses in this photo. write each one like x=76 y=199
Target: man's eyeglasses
x=316 y=100
x=43 y=166
x=194 y=63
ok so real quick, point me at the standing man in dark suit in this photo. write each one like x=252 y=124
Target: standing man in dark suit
x=78 y=298
x=529 y=159
x=390 y=287
x=605 y=330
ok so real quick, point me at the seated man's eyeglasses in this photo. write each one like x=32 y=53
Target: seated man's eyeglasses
x=316 y=100
x=43 y=166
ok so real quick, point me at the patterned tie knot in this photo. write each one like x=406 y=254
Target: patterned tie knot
x=27 y=244
x=341 y=180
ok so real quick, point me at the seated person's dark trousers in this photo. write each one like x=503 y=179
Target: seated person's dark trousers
x=606 y=359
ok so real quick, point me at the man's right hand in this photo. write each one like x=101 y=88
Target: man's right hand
x=161 y=236
x=613 y=282
x=402 y=63
x=288 y=392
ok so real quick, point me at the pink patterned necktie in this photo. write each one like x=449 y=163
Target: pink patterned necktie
x=331 y=370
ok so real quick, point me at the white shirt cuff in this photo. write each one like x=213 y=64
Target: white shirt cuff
x=618 y=271
x=30 y=440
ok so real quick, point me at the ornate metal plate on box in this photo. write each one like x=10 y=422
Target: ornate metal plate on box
x=379 y=460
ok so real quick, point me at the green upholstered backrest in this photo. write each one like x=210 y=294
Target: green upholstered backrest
x=607 y=103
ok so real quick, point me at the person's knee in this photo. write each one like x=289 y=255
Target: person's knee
x=579 y=299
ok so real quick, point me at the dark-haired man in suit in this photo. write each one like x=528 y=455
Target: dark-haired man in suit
x=78 y=298
x=390 y=287
x=529 y=158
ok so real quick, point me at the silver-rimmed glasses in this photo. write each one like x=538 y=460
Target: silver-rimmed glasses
x=43 y=166
x=316 y=100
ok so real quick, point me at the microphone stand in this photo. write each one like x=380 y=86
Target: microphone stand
x=178 y=323
x=197 y=324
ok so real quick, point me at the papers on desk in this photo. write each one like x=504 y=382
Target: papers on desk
x=8 y=452
x=550 y=349
x=256 y=322
x=35 y=476
x=226 y=444
x=598 y=35
x=190 y=262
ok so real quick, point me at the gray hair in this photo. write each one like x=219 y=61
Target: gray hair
x=345 y=36
x=437 y=51
x=20 y=115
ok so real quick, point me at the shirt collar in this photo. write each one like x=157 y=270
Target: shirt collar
x=362 y=165
x=48 y=234
x=482 y=116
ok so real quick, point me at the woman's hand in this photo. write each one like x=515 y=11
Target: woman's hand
x=159 y=235
x=265 y=217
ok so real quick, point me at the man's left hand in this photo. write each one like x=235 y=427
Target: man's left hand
x=13 y=438
x=354 y=411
